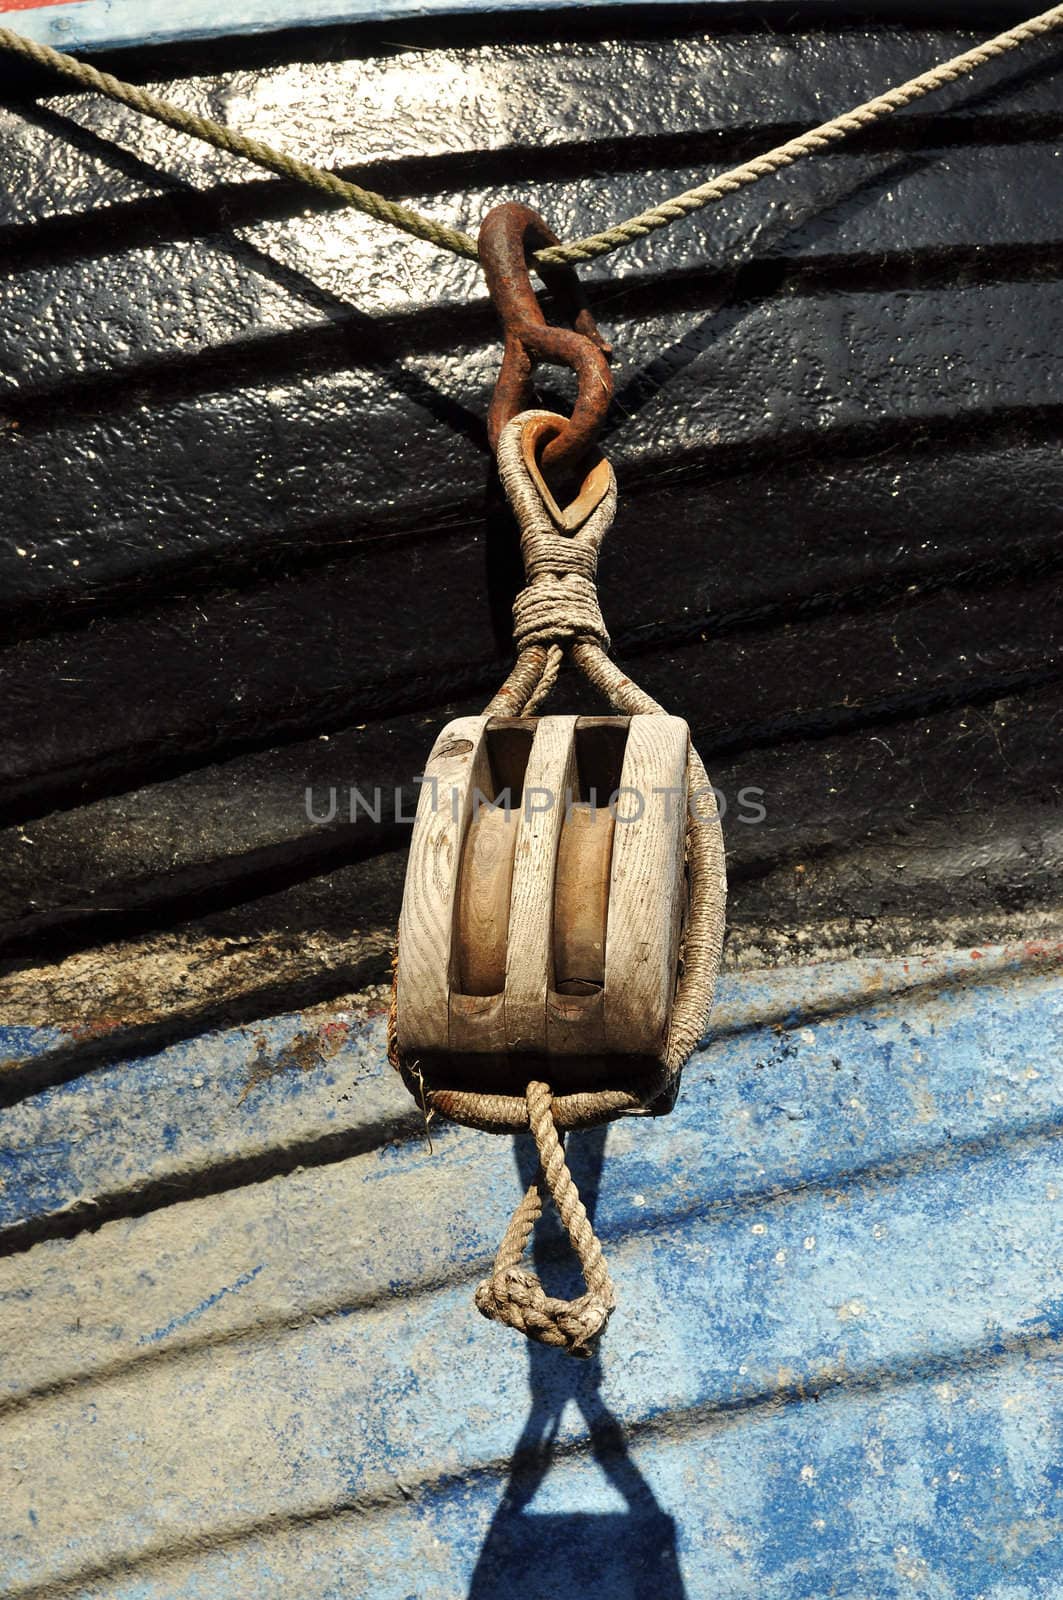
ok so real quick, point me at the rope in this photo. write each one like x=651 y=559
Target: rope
x=560 y=604
x=240 y=144
x=587 y=249
x=806 y=144
x=513 y=1294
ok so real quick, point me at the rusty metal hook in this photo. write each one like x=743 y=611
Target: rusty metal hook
x=508 y=235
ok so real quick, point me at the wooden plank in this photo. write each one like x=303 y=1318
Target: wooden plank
x=212 y=1111
x=889 y=504
x=807 y=836
x=456 y=771
x=549 y=778
x=402 y=106
x=316 y=275
x=122 y=1003
x=227 y=832
x=307 y=943
x=213 y=1418
x=133 y=474
x=582 y=1513
x=68 y=722
x=258 y=300
x=646 y=886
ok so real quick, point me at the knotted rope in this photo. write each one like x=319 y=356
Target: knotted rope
x=561 y=600
x=513 y=1294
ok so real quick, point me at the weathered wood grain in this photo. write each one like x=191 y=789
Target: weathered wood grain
x=550 y=776
x=506 y=909
x=646 y=886
x=575 y=1002
x=581 y=898
x=483 y=900
x=457 y=769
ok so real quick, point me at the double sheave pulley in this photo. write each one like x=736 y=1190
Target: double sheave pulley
x=563 y=912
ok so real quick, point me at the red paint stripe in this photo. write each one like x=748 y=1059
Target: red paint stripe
x=34 y=5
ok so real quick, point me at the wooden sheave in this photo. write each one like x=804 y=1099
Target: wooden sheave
x=545 y=895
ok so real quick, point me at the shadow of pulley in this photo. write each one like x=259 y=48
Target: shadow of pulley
x=534 y=1555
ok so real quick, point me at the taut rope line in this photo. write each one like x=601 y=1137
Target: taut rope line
x=596 y=244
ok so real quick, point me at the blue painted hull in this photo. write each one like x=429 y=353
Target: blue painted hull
x=834 y=1368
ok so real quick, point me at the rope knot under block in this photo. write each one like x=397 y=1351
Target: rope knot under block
x=516 y=1298
x=512 y=1294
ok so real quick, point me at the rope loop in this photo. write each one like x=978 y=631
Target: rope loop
x=560 y=606
x=512 y=1294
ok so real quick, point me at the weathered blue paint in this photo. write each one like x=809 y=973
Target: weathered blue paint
x=313 y=1077
x=89 y=25
x=834 y=1370
x=204 y=1305
x=238 y=1093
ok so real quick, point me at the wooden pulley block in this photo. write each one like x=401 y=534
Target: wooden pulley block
x=544 y=903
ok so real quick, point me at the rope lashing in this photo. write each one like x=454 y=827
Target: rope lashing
x=513 y=1294
x=560 y=604
x=460 y=243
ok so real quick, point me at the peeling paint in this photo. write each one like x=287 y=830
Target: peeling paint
x=204 y=1305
